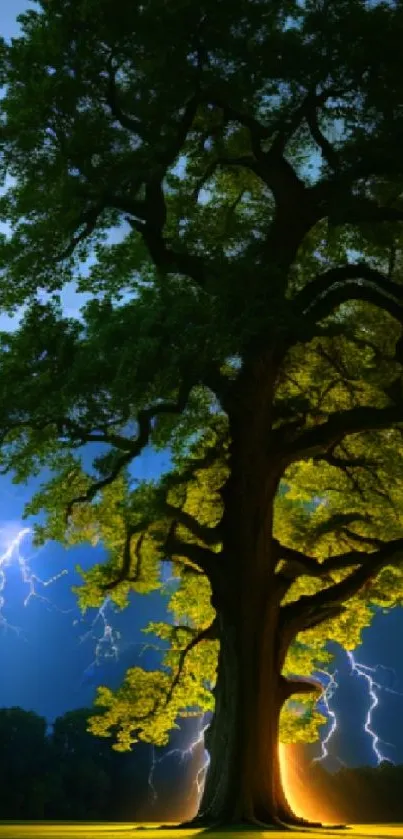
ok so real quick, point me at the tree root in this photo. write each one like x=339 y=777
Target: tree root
x=293 y=821
x=248 y=825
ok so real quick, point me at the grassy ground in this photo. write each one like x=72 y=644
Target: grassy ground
x=104 y=830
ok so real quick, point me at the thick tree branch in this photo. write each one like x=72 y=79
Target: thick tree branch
x=164 y=257
x=146 y=217
x=188 y=570
x=312 y=567
x=214 y=380
x=126 y=204
x=338 y=593
x=202 y=558
x=243 y=161
x=77 y=432
x=144 y=419
x=109 y=199
x=348 y=282
x=208 y=535
x=363 y=540
x=312 y=610
x=290 y=687
x=124 y=574
x=344 y=462
x=85 y=227
x=208 y=634
x=298 y=563
x=338 y=520
x=180 y=130
x=328 y=152
x=314 y=441
x=308 y=111
x=257 y=131
x=315 y=618
x=271 y=166
x=131 y=123
x=155 y=207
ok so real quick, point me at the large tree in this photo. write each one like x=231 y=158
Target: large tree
x=247 y=317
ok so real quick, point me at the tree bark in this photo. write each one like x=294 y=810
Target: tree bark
x=243 y=784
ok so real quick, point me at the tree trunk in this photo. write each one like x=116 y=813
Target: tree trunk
x=243 y=784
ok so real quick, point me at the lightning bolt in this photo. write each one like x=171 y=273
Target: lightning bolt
x=154 y=763
x=201 y=774
x=184 y=754
x=13 y=554
x=107 y=643
x=365 y=672
x=326 y=699
x=106 y=646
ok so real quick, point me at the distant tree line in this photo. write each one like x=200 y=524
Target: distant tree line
x=64 y=772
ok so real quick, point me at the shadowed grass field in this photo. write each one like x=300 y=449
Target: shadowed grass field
x=114 y=830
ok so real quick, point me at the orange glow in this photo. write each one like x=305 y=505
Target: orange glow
x=295 y=781
x=294 y=767
x=304 y=802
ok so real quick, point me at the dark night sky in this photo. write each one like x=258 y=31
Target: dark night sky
x=47 y=668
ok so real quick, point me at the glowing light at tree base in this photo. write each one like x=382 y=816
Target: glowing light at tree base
x=295 y=778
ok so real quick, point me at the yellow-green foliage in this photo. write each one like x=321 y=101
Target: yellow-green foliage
x=126 y=712
x=191 y=601
x=143 y=708
x=318 y=509
x=310 y=515
x=300 y=721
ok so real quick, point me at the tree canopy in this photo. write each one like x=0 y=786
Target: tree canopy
x=225 y=181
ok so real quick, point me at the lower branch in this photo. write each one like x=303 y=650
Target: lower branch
x=127 y=559
x=312 y=610
x=202 y=558
x=290 y=687
x=341 y=424
x=208 y=634
x=134 y=448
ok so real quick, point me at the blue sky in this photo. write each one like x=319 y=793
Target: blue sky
x=47 y=665
x=9 y=10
